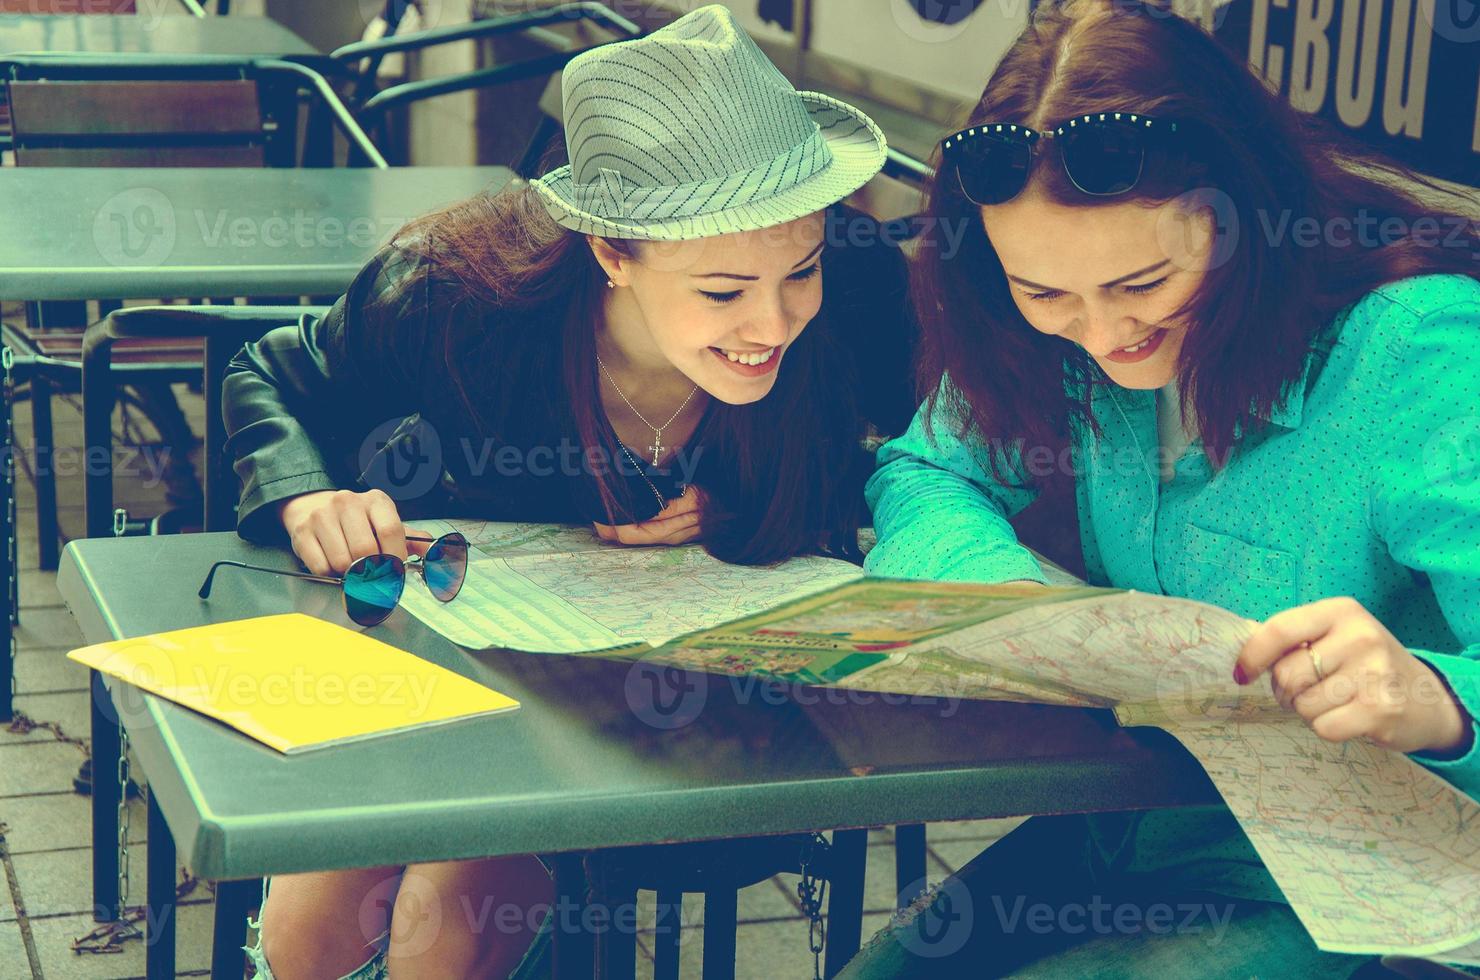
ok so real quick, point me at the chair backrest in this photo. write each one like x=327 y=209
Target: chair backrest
x=225 y=329
x=146 y=110
x=122 y=112
x=58 y=7
x=364 y=57
x=157 y=123
x=67 y=7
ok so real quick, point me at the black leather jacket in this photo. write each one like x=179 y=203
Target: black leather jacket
x=360 y=397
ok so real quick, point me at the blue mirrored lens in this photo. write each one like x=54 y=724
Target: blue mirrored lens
x=446 y=565
x=372 y=587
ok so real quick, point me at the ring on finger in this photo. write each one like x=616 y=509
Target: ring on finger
x=1315 y=661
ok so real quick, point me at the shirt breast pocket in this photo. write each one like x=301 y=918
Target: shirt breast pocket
x=1249 y=579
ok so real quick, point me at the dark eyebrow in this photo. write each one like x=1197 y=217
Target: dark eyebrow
x=1107 y=285
x=732 y=275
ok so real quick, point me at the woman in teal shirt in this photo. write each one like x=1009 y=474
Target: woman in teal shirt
x=1262 y=351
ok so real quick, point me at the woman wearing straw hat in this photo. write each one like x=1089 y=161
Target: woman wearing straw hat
x=641 y=340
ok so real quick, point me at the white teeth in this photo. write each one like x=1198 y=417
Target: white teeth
x=1132 y=350
x=759 y=357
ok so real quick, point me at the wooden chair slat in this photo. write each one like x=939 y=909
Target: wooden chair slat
x=67 y=7
x=102 y=108
x=141 y=156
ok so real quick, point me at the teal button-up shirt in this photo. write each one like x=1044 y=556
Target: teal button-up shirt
x=1366 y=483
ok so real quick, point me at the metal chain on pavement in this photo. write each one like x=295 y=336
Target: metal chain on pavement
x=812 y=893
x=109 y=937
x=7 y=361
x=120 y=522
x=22 y=723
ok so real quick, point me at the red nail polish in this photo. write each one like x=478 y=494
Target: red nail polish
x=1238 y=674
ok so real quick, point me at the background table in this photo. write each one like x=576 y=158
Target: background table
x=582 y=765
x=131 y=233
x=141 y=32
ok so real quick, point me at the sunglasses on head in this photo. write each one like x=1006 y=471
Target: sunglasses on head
x=373 y=584
x=1103 y=154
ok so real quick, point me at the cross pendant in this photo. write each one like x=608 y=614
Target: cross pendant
x=657 y=447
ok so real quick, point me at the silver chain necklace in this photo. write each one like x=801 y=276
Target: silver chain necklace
x=662 y=500
x=657 y=447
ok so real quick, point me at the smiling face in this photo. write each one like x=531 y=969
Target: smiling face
x=1106 y=278
x=721 y=311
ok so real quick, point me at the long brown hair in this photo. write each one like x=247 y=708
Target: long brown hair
x=779 y=475
x=1255 y=315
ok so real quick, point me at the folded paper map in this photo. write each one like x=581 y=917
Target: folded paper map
x=1375 y=853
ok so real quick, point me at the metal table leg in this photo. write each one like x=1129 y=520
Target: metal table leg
x=613 y=897
x=845 y=905
x=47 y=531
x=909 y=862
x=105 y=753
x=159 y=935
x=572 y=949
x=229 y=930
x=721 y=913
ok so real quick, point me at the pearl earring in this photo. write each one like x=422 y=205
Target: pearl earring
x=610 y=284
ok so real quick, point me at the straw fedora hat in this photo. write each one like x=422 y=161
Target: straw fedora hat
x=691 y=131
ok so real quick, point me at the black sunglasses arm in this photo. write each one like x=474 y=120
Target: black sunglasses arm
x=205 y=588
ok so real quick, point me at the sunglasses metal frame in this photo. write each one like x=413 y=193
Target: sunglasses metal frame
x=1030 y=137
x=413 y=561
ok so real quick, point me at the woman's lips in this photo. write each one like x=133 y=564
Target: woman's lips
x=1152 y=343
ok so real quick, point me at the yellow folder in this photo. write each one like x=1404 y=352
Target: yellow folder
x=294 y=682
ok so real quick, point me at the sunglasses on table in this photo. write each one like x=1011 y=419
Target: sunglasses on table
x=1103 y=153
x=372 y=585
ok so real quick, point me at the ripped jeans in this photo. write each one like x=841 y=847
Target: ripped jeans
x=535 y=965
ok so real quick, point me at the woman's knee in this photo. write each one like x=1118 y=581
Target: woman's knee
x=325 y=924
x=472 y=918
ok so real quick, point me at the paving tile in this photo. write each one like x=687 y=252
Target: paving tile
x=879 y=881
x=763 y=951
x=771 y=899
x=7 y=905
x=763 y=901
x=48 y=671
x=949 y=856
x=46 y=627
x=37 y=767
x=14 y=963
x=770 y=950
x=27 y=559
x=59 y=883
x=70 y=711
x=984 y=831
x=59 y=820
x=73 y=521
x=38 y=588
x=58 y=962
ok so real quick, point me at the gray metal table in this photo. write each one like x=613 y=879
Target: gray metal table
x=133 y=233
x=140 y=233
x=170 y=33
x=583 y=766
